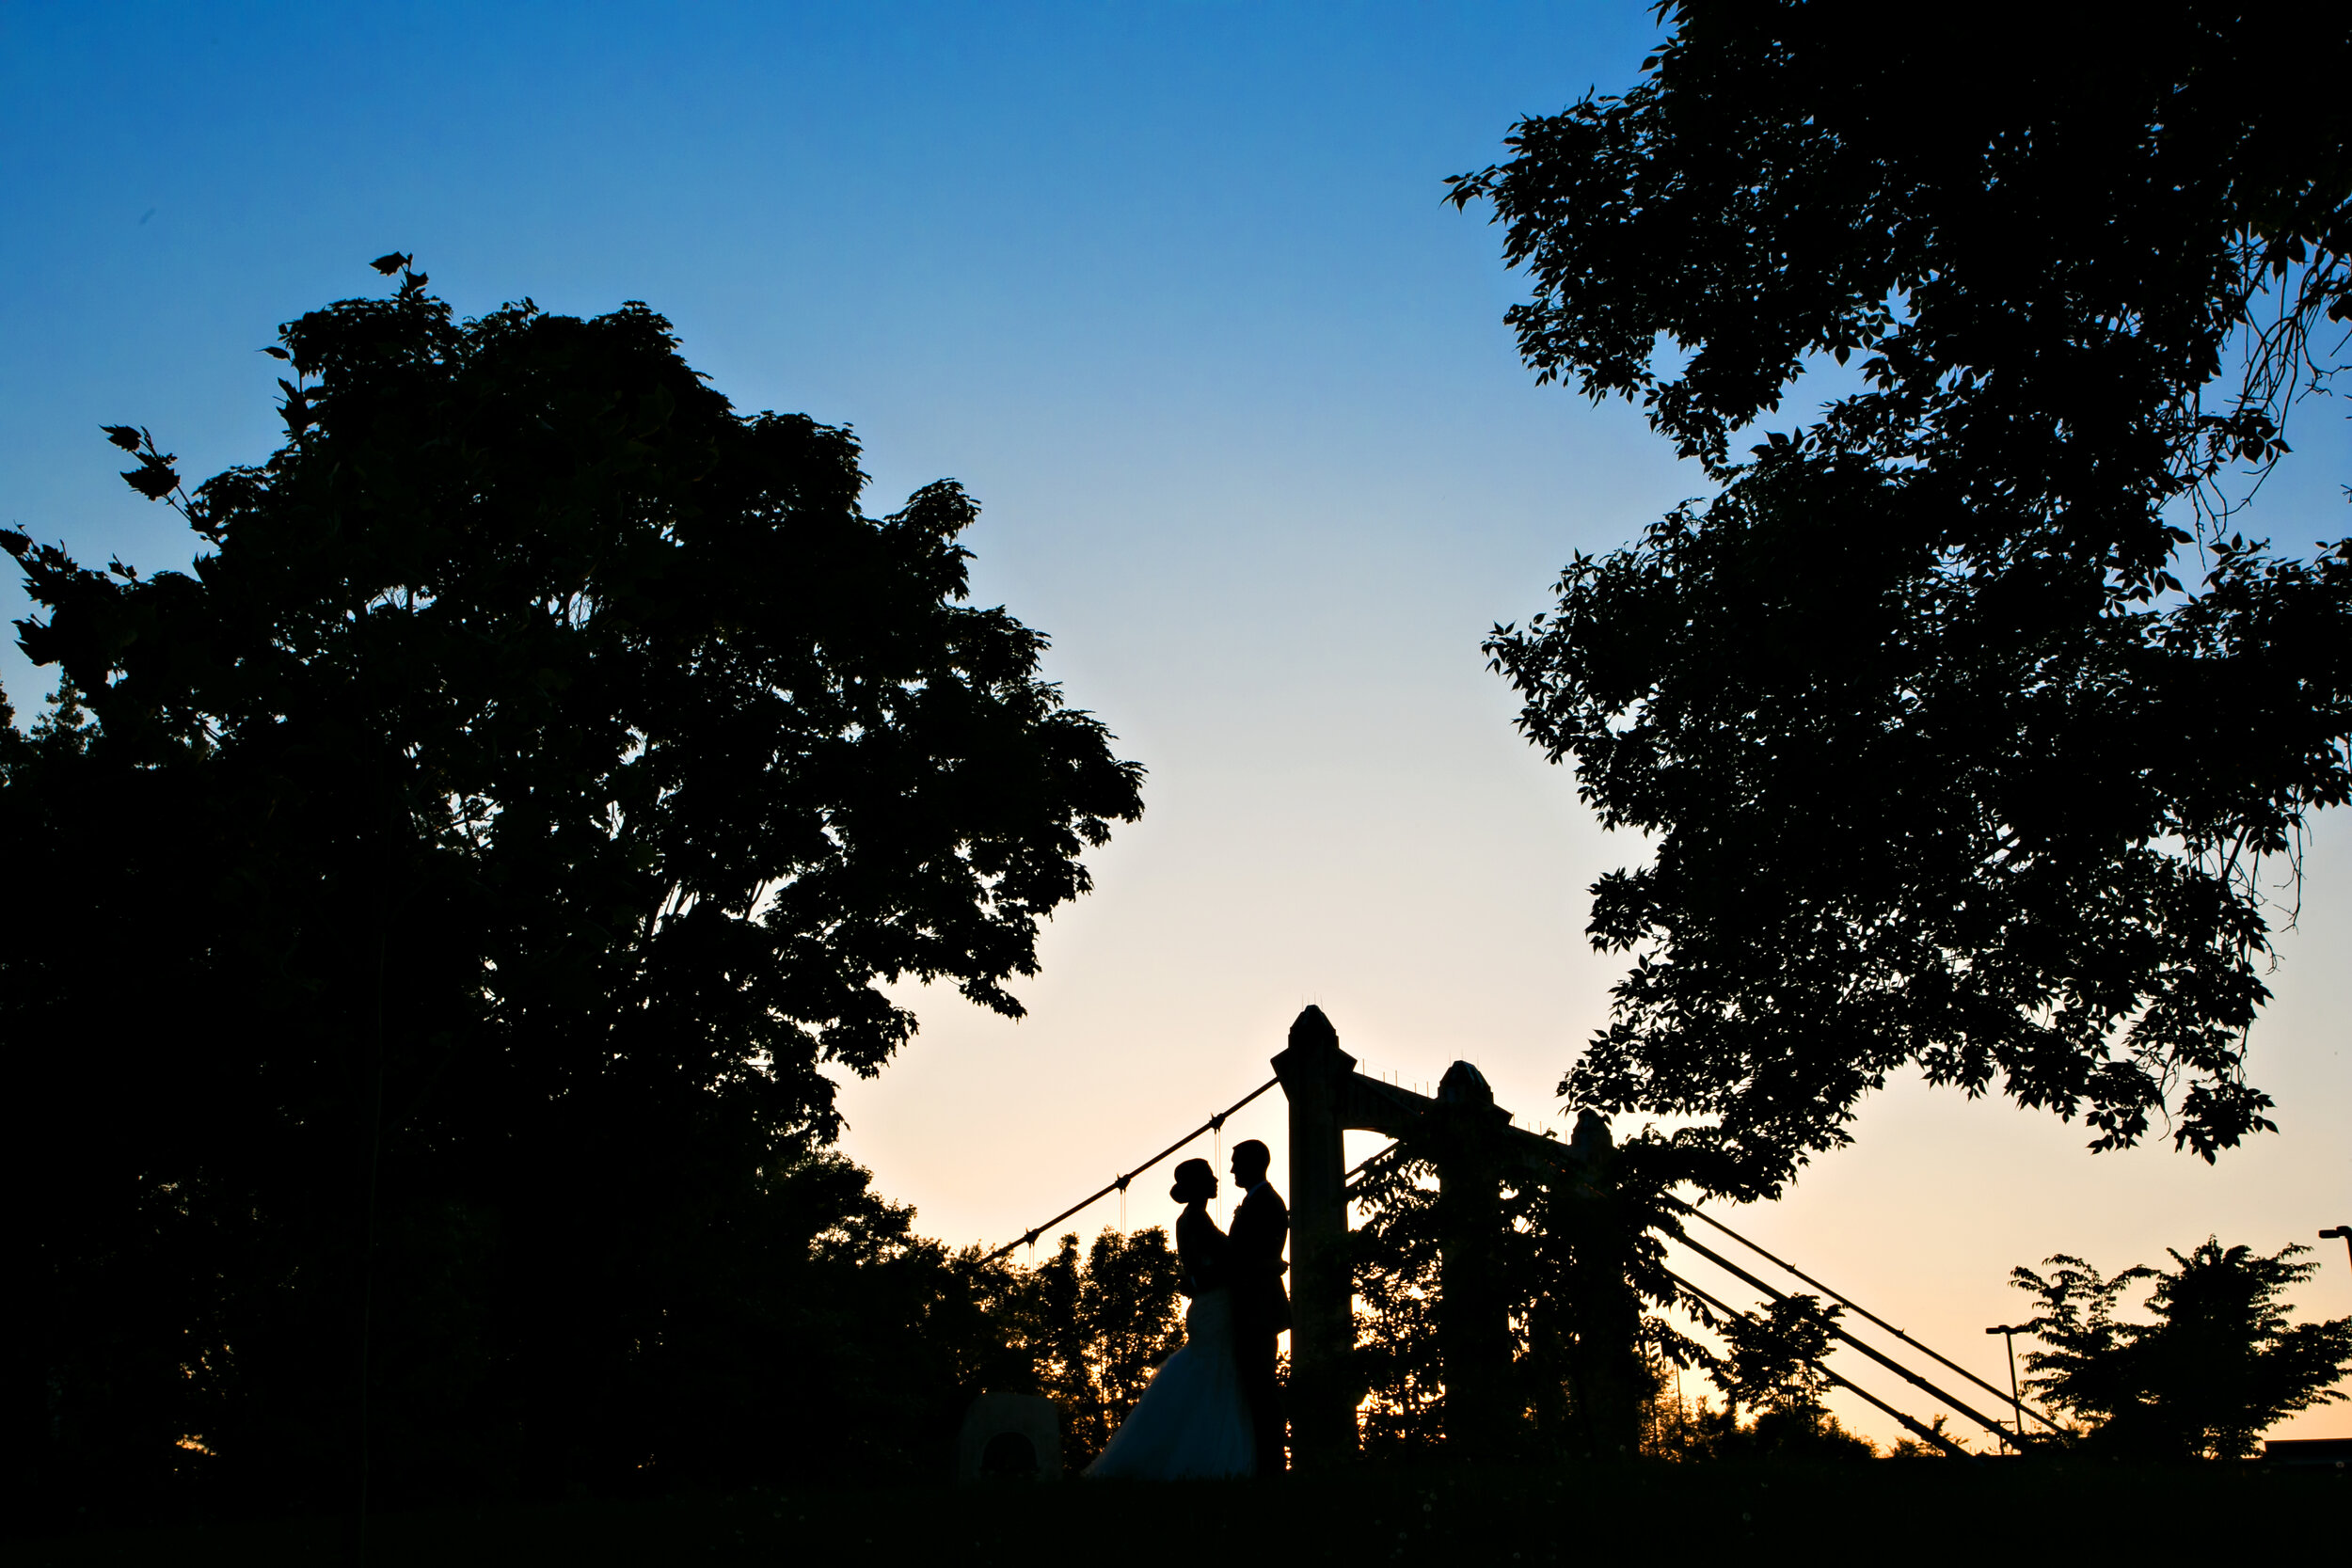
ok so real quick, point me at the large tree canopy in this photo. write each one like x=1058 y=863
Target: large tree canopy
x=1964 y=721
x=445 y=902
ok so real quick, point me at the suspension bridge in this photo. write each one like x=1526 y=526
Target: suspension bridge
x=1476 y=1148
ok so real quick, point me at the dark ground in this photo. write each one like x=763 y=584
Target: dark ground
x=1935 y=1510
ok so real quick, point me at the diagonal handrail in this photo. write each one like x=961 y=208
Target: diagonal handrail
x=1119 y=1184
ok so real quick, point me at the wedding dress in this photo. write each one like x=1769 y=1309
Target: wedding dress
x=1193 y=1420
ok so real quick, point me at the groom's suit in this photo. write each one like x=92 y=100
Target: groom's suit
x=1253 y=1261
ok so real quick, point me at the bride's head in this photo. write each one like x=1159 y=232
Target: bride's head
x=1195 y=1182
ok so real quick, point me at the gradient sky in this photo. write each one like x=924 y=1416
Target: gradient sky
x=1170 y=289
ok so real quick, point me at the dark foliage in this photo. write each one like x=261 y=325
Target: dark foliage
x=1396 y=1254
x=1773 y=1364
x=1543 y=1515
x=2219 y=1365
x=1702 y=1433
x=1912 y=1448
x=1581 y=1254
x=1772 y=1360
x=1960 y=750
x=1094 y=1330
x=430 y=923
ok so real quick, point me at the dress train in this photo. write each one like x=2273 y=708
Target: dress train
x=1192 y=1420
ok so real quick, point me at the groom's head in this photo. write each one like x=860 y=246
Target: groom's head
x=1250 y=1160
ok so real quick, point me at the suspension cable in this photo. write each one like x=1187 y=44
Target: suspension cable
x=1119 y=1184
x=1348 y=1182
x=1859 y=1310
x=1927 y=1433
x=1889 y=1363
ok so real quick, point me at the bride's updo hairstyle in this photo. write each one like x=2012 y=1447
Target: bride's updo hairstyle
x=1195 y=1182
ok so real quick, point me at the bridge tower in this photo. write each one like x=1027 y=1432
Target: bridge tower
x=1314 y=1073
x=1470 y=1138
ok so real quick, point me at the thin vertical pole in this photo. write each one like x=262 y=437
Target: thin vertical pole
x=2016 y=1401
x=2008 y=1333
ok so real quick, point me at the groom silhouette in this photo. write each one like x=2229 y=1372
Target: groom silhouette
x=1253 y=1261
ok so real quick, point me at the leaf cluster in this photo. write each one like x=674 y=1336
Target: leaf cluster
x=2218 y=1364
x=1579 y=1266
x=1949 y=756
x=477 y=870
x=1094 y=1329
x=1772 y=1359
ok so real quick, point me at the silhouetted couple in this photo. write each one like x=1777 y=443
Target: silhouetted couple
x=1215 y=1408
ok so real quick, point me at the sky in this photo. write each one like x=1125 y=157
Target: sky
x=1173 y=289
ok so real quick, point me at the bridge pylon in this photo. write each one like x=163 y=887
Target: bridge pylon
x=1472 y=1140
x=1314 y=1073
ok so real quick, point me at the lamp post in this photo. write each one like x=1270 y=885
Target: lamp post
x=2008 y=1333
x=2343 y=1230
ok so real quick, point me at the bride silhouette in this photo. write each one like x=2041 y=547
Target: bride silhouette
x=1193 y=1420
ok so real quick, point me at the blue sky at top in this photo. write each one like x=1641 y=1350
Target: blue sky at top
x=1064 y=239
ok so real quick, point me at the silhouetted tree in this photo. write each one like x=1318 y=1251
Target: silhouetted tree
x=1097 y=1330
x=1586 y=1254
x=1950 y=756
x=1395 y=1257
x=1773 y=1358
x=430 y=920
x=1912 y=1448
x=2219 y=1364
x=1773 y=1364
x=1131 y=1305
x=1580 y=1256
